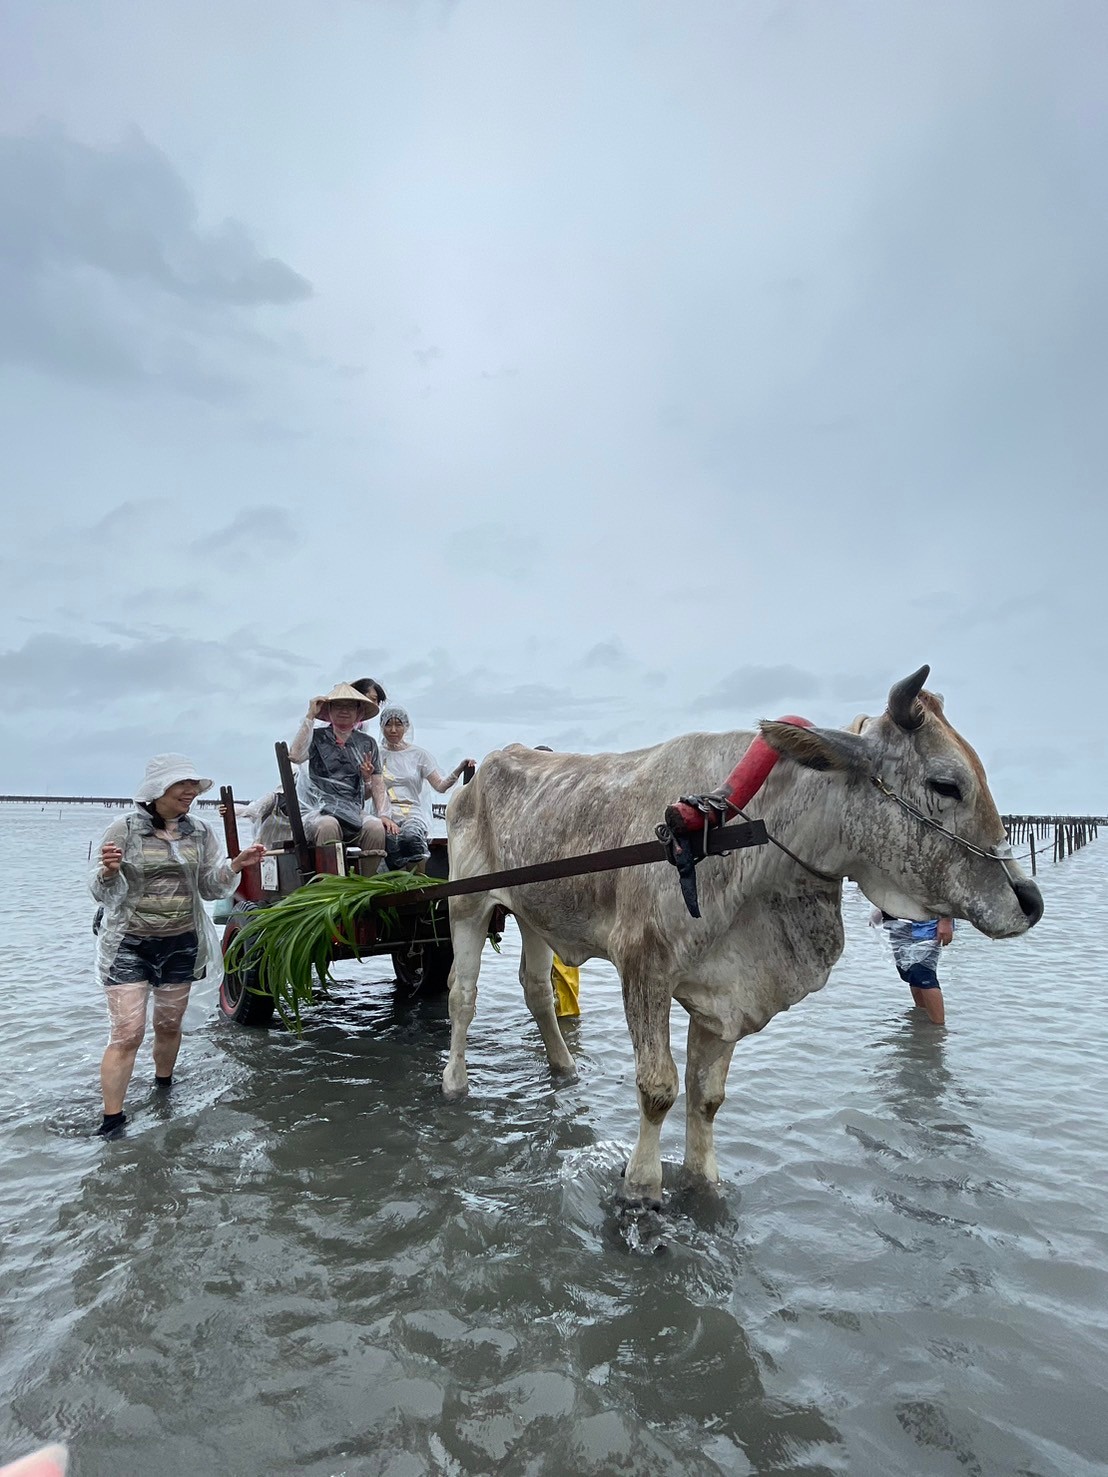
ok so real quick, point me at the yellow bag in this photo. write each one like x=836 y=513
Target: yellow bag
x=566 y=979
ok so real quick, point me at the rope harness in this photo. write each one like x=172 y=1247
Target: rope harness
x=1002 y=852
x=702 y=813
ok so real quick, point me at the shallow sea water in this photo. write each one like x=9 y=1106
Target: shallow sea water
x=305 y=1261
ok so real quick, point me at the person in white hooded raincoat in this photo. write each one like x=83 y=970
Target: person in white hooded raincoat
x=157 y=866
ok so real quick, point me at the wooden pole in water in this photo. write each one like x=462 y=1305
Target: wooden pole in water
x=1032 y=852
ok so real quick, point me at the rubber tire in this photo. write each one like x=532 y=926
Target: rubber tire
x=423 y=974
x=408 y=969
x=238 y=1001
x=431 y=975
x=437 y=959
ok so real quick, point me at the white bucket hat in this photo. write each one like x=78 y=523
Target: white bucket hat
x=165 y=770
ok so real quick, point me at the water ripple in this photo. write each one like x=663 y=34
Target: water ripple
x=303 y=1260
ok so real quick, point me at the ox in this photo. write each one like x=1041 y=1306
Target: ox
x=899 y=803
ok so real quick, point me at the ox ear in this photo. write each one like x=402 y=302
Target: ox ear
x=817 y=748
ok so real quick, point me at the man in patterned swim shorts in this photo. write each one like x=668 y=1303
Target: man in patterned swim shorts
x=916 y=948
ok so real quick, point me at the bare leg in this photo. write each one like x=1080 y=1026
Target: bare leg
x=469 y=926
x=534 y=976
x=170 y=1002
x=127 y=1015
x=647 y=1012
x=932 y=1001
x=705 y=1080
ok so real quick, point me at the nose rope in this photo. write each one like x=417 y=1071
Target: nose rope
x=718 y=803
x=702 y=812
x=999 y=853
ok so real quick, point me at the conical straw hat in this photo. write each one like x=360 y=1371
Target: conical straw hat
x=343 y=692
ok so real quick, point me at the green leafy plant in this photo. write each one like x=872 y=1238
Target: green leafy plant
x=292 y=943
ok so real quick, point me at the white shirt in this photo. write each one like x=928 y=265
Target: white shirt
x=406 y=770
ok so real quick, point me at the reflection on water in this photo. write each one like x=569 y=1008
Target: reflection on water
x=910 y=1071
x=304 y=1260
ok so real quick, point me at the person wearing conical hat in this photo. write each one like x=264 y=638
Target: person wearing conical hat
x=342 y=765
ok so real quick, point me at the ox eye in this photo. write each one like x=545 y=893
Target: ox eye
x=946 y=788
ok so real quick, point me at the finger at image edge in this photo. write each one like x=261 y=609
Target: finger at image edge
x=50 y=1461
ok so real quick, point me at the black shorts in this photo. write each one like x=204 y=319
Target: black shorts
x=921 y=975
x=154 y=961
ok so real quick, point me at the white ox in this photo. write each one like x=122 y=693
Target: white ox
x=770 y=930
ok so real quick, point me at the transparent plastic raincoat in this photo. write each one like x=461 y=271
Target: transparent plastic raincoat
x=207 y=871
x=330 y=780
x=912 y=943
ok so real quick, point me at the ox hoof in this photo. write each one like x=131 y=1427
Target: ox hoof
x=455 y=1087
x=648 y=1197
x=643 y=1200
x=640 y=1226
x=640 y=1197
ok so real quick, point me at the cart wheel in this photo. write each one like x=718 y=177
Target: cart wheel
x=237 y=998
x=437 y=959
x=423 y=971
x=407 y=965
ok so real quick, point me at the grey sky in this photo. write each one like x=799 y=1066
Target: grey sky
x=585 y=372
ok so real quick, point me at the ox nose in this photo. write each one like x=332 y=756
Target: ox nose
x=1030 y=900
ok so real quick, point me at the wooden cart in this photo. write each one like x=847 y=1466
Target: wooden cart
x=416 y=939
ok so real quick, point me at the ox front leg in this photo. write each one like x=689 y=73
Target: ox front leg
x=534 y=976
x=469 y=926
x=705 y=1080
x=656 y=1080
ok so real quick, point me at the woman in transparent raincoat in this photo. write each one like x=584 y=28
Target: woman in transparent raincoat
x=407 y=768
x=157 y=866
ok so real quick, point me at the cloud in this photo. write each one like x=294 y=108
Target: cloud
x=478 y=693
x=607 y=656
x=54 y=672
x=439 y=692
x=127 y=212
x=861 y=687
x=258 y=531
x=107 y=276
x=752 y=687
x=496 y=548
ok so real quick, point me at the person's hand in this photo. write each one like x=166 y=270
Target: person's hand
x=222 y=808
x=465 y=764
x=249 y=857
x=111 y=859
x=391 y=828
x=314 y=707
x=945 y=931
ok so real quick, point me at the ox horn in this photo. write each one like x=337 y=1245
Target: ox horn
x=905 y=708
